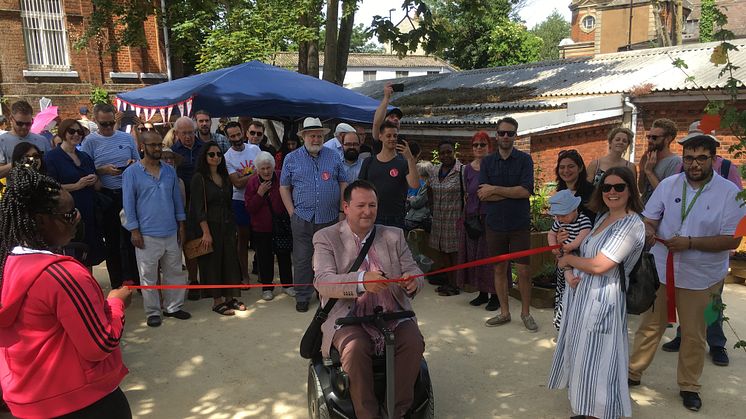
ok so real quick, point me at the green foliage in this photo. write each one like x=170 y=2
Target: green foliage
x=707 y=21
x=118 y=23
x=511 y=44
x=552 y=30
x=99 y=95
x=539 y=201
x=359 y=42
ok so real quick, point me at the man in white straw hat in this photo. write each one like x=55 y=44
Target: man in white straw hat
x=312 y=181
x=336 y=142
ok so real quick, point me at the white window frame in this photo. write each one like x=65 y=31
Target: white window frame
x=401 y=73
x=584 y=27
x=45 y=35
x=370 y=75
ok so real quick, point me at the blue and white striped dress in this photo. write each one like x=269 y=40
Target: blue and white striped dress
x=592 y=350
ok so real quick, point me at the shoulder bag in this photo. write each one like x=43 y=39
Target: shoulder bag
x=193 y=248
x=643 y=284
x=310 y=344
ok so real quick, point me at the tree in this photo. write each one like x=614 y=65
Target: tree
x=707 y=21
x=359 y=41
x=552 y=30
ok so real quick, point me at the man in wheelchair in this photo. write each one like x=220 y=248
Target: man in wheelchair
x=335 y=249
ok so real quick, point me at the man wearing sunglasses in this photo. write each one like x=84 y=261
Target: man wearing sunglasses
x=21 y=118
x=255 y=135
x=658 y=162
x=695 y=213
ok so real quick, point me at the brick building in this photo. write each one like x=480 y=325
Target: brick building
x=37 y=57
x=734 y=9
x=571 y=103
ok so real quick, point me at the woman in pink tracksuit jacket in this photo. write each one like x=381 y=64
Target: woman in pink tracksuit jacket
x=59 y=336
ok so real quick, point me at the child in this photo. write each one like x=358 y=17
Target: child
x=564 y=207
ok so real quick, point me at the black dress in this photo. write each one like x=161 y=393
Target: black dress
x=221 y=266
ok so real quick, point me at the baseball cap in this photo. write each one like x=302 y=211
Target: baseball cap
x=83 y=110
x=396 y=111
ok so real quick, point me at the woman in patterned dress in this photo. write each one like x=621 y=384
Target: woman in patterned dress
x=447 y=205
x=591 y=357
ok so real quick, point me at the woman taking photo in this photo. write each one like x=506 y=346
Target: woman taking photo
x=211 y=219
x=480 y=278
x=592 y=356
x=75 y=171
x=264 y=204
x=571 y=174
x=59 y=336
x=619 y=140
x=446 y=206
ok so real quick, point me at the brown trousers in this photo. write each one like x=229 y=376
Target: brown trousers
x=690 y=306
x=356 y=352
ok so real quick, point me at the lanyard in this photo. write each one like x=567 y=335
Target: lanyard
x=685 y=209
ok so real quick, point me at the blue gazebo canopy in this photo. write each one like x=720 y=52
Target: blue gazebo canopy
x=253 y=89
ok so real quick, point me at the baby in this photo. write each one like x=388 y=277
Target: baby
x=564 y=207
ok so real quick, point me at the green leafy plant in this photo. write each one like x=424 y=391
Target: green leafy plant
x=99 y=95
x=540 y=218
x=719 y=308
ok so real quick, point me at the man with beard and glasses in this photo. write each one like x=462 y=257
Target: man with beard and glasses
x=239 y=161
x=351 y=154
x=155 y=218
x=204 y=123
x=695 y=213
x=658 y=162
x=311 y=185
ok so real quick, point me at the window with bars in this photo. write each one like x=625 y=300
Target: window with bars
x=400 y=74
x=369 y=75
x=45 y=35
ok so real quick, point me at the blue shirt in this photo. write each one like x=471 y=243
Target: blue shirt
x=152 y=205
x=315 y=183
x=117 y=150
x=189 y=162
x=517 y=170
x=352 y=170
x=219 y=138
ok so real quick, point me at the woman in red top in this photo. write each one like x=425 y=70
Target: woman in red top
x=59 y=336
x=263 y=190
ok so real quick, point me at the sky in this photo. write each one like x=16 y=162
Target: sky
x=534 y=12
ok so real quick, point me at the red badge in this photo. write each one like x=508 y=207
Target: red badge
x=325 y=176
x=394 y=172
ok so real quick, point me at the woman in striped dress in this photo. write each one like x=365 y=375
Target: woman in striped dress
x=591 y=357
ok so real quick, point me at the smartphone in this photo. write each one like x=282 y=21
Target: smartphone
x=398 y=87
x=121 y=168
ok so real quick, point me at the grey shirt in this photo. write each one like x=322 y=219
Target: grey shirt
x=9 y=141
x=663 y=169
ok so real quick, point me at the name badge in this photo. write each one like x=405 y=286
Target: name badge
x=394 y=172
x=325 y=176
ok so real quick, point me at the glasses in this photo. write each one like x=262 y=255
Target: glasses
x=654 y=137
x=146 y=129
x=351 y=145
x=72 y=131
x=256 y=133
x=506 y=133
x=701 y=159
x=479 y=145
x=213 y=154
x=107 y=124
x=24 y=124
x=69 y=216
x=619 y=187
x=154 y=145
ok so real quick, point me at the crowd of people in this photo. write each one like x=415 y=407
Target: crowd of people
x=186 y=207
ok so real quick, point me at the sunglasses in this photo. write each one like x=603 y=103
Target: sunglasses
x=256 y=133
x=506 y=133
x=107 y=124
x=69 y=216
x=619 y=187
x=479 y=145
x=213 y=154
x=145 y=129
x=24 y=124
x=654 y=137
x=701 y=159
x=72 y=131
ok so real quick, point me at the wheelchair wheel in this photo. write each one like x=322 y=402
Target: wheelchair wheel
x=317 y=408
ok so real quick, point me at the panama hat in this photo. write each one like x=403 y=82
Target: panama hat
x=312 y=124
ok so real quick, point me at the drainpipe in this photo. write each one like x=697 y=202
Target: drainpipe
x=633 y=127
x=166 y=41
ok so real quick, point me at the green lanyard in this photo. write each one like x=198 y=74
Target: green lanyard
x=684 y=208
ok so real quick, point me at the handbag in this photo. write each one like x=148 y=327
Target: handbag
x=643 y=284
x=193 y=248
x=473 y=223
x=282 y=233
x=310 y=343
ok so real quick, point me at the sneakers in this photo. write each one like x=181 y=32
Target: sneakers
x=719 y=356
x=672 y=346
x=154 y=321
x=530 y=323
x=498 y=320
x=691 y=400
x=301 y=306
x=181 y=315
x=290 y=291
x=268 y=295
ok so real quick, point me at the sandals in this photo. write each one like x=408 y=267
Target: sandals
x=223 y=309
x=236 y=305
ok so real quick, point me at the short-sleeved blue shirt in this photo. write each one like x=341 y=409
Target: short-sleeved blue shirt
x=517 y=170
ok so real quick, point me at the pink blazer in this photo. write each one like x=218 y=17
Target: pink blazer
x=334 y=253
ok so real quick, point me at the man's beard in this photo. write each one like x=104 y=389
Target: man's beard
x=313 y=148
x=154 y=155
x=351 y=154
x=704 y=174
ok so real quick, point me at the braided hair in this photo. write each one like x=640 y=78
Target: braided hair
x=28 y=193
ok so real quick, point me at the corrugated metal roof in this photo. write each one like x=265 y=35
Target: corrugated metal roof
x=290 y=60
x=603 y=74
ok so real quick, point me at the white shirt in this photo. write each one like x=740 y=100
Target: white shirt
x=241 y=162
x=715 y=213
x=334 y=144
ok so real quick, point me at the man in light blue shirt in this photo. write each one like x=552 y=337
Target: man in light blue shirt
x=21 y=118
x=154 y=213
x=351 y=153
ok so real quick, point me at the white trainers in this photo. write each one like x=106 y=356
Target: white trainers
x=290 y=291
x=268 y=295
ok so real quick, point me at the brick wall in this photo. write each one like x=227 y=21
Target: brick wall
x=576 y=33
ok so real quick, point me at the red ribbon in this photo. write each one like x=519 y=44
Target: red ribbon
x=467 y=265
x=670 y=285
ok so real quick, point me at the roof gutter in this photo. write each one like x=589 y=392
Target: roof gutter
x=633 y=125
